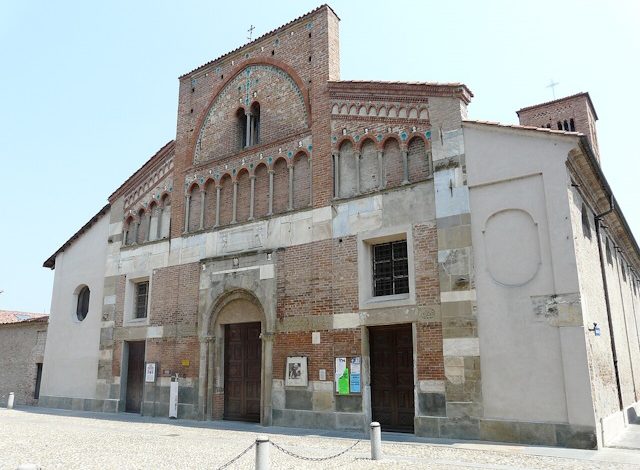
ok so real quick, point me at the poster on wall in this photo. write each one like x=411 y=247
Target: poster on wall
x=342 y=376
x=354 y=376
x=150 y=372
x=296 y=372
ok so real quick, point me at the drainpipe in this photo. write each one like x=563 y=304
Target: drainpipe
x=598 y=218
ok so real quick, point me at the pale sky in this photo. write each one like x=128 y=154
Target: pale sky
x=89 y=90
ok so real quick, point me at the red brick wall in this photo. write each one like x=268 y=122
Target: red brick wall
x=261 y=203
x=210 y=204
x=244 y=196
x=417 y=160
x=226 y=200
x=174 y=295
x=280 y=186
x=393 y=165
x=301 y=181
x=425 y=247
x=430 y=360
x=170 y=352
x=194 y=209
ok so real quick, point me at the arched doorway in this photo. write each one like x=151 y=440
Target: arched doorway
x=238 y=364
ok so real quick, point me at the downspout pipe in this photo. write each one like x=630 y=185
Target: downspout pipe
x=598 y=218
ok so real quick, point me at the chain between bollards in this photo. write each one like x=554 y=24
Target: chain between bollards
x=262 y=453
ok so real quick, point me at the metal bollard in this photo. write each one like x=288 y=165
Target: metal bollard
x=10 y=401
x=262 y=453
x=376 y=441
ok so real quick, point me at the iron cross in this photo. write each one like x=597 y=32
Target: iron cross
x=553 y=85
x=250 y=31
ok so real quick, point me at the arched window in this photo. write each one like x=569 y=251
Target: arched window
x=82 y=307
x=241 y=119
x=255 y=124
x=559 y=124
x=572 y=125
x=566 y=125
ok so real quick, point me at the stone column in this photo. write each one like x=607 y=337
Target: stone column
x=235 y=202
x=356 y=155
x=217 y=206
x=405 y=166
x=159 y=224
x=267 y=377
x=137 y=230
x=270 y=192
x=210 y=375
x=381 y=183
x=147 y=233
x=336 y=175
x=253 y=195
x=248 y=136
x=290 y=187
x=203 y=195
x=186 y=213
x=202 y=378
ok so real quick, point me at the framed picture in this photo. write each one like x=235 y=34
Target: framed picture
x=296 y=372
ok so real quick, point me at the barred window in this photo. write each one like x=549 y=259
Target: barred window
x=390 y=268
x=142 y=291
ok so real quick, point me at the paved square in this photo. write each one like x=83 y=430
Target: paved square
x=80 y=440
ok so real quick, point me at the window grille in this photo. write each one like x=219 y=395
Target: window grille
x=142 y=290
x=390 y=268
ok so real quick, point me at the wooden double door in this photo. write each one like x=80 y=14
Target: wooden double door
x=135 y=376
x=242 y=371
x=392 y=387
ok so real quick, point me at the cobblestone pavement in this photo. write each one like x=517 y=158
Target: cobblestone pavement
x=79 y=440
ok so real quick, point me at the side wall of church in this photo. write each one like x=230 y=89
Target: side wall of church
x=529 y=306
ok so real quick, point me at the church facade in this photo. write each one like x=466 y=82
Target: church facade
x=323 y=253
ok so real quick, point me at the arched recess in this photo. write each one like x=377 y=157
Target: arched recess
x=261 y=202
x=244 y=195
x=165 y=218
x=226 y=199
x=301 y=181
x=369 y=167
x=280 y=186
x=210 y=201
x=143 y=226
x=195 y=204
x=417 y=160
x=347 y=170
x=232 y=307
x=129 y=230
x=393 y=166
x=154 y=212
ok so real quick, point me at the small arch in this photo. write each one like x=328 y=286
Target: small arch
x=393 y=112
x=372 y=111
x=347 y=169
x=559 y=124
x=393 y=164
x=165 y=218
x=353 y=110
x=572 y=125
x=417 y=159
x=254 y=124
x=210 y=201
x=382 y=112
x=195 y=204
x=244 y=195
x=142 y=226
x=402 y=113
x=261 y=202
x=129 y=230
x=369 y=166
x=424 y=114
x=154 y=211
x=566 y=125
x=362 y=111
x=413 y=113
x=344 y=109
x=301 y=180
x=226 y=199
x=241 y=128
x=335 y=109
x=280 y=185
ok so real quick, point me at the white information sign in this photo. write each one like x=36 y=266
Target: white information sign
x=150 y=372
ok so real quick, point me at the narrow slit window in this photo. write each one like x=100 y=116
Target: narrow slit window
x=142 y=291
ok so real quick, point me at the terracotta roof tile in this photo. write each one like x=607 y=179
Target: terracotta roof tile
x=583 y=93
x=7 y=317
x=519 y=127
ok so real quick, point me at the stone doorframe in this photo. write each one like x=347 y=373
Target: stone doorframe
x=211 y=373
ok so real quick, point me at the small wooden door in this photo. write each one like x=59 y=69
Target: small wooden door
x=135 y=376
x=392 y=399
x=242 y=370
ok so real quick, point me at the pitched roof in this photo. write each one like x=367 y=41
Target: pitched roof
x=566 y=98
x=51 y=261
x=524 y=128
x=7 y=316
x=270 y=33
x=459 y=90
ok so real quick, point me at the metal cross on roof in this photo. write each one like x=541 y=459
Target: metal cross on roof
x=553 y=85
x=250 y=31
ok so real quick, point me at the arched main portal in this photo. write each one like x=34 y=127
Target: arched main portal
x=236 y=346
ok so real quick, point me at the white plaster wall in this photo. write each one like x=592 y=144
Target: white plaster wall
x=534 y=365
x=72 y=349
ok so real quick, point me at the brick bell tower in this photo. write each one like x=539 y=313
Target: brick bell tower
x=573 y=113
